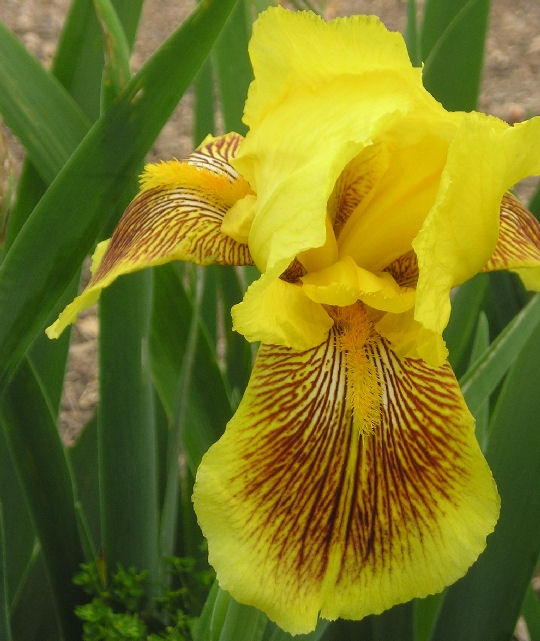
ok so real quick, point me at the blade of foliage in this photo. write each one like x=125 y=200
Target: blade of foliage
x=238 y=355
x=83 y=459
x=505 y=298
x=466 y=304
x=33 y=614
x=171 y=320
x=411 y=34
x=116 y=72
x=233 y=69
x=488 y=370
x=453 y=67
x=78 y=63
x=203 y=112
x=5 y=627
x=36 y=107
x=184 y=384
x=486 y=603
x=436 y=17
x=530 y=611
x=395 y=624
x=40 y=264
x=479 y=347
x=44 y=474
x=126 y=437
x=342 y=629
x=242 y=622
x=274 y=633
x=425 y=614
x=534 y=203
x=18 y=528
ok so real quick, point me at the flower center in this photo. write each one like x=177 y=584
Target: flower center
x=356 y=337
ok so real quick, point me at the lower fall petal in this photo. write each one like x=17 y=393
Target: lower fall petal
x=518 y=245
x=177 y=215
x=306 y=513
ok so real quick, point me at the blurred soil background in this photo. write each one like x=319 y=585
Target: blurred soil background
x=510 y=90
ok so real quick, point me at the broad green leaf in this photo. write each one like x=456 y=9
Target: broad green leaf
x=171 y=320
x=37 y=108
x=437 y=15
x=42 y=468
x=530 y=611
x=203 y=112
x=274 y=633
x=233 y=69
x=183 y=392
x=242 y=622
x=425 y=614
x=116 y=73
x=18 y=528
x=201 y=630
x=466 y=304
x=453 y=66
x=479 y=347
x=342 y=630
x=486 y=603
x=411 y=34
x=395 y=624
x=5 y=626
x=534 y=203
x=33 y=616
x=126 y=436
x=41 y=264
x=487 y=371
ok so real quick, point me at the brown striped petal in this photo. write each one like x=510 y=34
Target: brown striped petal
x=177 y=215
x=518 y=245
x=348 y=480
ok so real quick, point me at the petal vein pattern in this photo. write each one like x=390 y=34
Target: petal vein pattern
x=177 y=215
x=320 y=516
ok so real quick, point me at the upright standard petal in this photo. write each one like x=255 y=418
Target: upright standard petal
x=349 y=480
x=460 y=232
x=177 y=215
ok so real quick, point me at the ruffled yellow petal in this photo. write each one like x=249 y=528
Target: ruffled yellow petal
x=280 y=313
x=177 y=215
x=306 y=513
x=518 y=245
x=356 y=81
x=343 y=283
x=385 y=221
x=460 y=233
x=342 y=47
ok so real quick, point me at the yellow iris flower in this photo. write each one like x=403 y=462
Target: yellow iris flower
x=349 y=478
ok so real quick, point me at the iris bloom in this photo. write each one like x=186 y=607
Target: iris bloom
x=349 y=478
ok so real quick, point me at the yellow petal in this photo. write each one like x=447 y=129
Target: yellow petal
x=177 y=215
x=344 y=282
x=310 y=115
x=344 y=47
x=304 y=513
x=518 y=245
x=460 y=233
x=280 y=313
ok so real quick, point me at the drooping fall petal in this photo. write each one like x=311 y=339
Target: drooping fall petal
x=349 y=480
x=518 y=245
x=177 y=215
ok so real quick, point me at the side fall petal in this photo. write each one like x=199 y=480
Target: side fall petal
x=177 y=215
x=320 y=500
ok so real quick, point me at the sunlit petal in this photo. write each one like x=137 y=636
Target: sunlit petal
x=518 y=245
x=177 y=215
x=460 y=233
x=317 y=499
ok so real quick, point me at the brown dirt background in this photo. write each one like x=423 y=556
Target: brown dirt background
x=510 y=90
